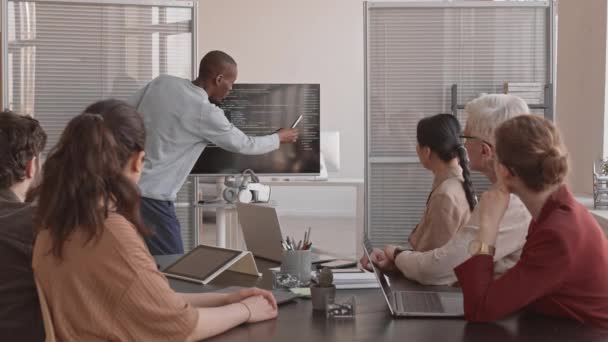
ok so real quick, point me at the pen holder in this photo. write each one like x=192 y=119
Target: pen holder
x=298 y=263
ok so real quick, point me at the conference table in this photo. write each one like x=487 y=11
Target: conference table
x=372 y=322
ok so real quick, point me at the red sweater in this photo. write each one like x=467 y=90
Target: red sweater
x=563 y=270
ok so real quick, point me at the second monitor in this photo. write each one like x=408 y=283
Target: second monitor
x=261 y=109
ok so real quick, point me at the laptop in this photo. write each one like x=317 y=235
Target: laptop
x=405 y=303
x=262 y=233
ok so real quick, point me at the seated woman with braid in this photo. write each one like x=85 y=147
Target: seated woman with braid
x=452 y=197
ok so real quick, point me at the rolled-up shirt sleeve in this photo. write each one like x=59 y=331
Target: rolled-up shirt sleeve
x=436 y=267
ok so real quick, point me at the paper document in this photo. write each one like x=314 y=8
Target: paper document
x=301 y=291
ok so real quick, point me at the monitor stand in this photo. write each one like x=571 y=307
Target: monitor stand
x=323 y=175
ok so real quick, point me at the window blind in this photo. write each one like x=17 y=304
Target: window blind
x=415 y=52
x=60 y=56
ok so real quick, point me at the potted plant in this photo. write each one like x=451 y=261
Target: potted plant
x=600 y=184
x=324 y=292
x=604 y=166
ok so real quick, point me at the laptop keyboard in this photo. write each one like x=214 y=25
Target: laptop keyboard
x=414 y=301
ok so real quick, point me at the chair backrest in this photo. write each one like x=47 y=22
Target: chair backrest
x=49 y=330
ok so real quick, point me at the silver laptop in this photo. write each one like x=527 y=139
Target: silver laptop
x=430 y=303
x=262 y=233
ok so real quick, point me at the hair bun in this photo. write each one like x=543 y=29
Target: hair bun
x=553 y=153
x=554 y=166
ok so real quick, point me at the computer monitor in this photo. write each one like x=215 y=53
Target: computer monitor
x=261 y=109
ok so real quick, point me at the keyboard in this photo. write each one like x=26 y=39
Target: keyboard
x=417 y=302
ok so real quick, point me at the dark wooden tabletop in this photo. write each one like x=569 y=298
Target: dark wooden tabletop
x=373 y=322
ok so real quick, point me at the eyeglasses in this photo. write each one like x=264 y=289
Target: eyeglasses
x=465 y=137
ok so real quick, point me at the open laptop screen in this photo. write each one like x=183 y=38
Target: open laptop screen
x=261 y=230
x=386 y=289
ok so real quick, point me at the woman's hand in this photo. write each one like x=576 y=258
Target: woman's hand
x=492 y=208
x=260 y=309
x=239 y=296
x=389 y=251
x=380 y=260
x=364 y=261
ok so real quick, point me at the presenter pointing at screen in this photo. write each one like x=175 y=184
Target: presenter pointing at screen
x=182 y=118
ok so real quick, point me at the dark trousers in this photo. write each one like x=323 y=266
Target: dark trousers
x=160 y=218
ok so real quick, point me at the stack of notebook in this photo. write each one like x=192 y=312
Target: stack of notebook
x=355 y=280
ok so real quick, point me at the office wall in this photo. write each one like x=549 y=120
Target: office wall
x=581 y=86
x=312 y=41
x=322 y=41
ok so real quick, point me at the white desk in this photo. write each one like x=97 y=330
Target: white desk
x=228 y=232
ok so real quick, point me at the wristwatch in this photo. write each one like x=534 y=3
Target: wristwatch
x=478 y=247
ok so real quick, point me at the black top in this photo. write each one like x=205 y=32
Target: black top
x=20 y=316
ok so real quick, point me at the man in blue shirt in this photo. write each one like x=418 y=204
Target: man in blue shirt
x=182 y=118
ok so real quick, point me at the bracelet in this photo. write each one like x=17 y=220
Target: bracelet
x=248 y=310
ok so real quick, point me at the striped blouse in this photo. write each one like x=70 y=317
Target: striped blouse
x=110 y=289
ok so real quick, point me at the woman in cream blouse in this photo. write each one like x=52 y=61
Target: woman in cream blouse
x=452 y=197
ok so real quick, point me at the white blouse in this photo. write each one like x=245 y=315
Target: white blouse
x=436 y=266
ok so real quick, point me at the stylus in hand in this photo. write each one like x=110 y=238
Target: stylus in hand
x=295 y=123
x=288 y=135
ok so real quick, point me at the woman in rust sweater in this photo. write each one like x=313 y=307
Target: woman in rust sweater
x=90 y=261
x=564 y=263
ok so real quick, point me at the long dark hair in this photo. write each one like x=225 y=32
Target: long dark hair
x=441 y=133
x=82 y=179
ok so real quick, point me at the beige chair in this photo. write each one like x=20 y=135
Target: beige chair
x=46 y=316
